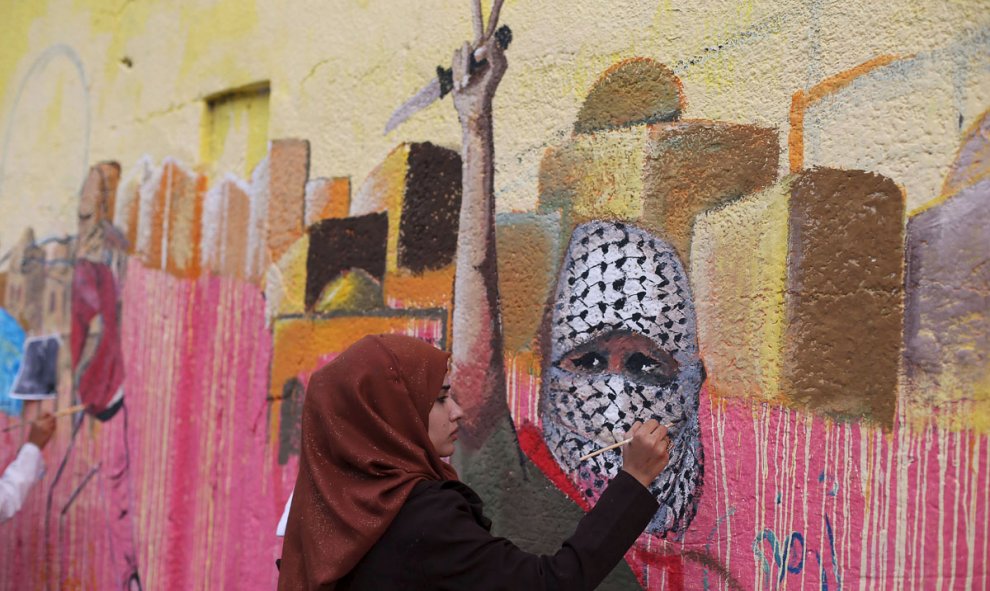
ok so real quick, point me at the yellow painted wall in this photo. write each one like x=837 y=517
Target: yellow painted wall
x=338 y=69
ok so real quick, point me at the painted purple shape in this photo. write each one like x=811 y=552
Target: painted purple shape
x=947 y=324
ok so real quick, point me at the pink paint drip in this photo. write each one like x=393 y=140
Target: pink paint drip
x=799 y=502
x=208 y=488
x=206 y=389
x=790 y=501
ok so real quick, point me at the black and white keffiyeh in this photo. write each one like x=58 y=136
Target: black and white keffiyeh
x=620 y=284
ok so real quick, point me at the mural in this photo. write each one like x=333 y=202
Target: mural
x=800 y=294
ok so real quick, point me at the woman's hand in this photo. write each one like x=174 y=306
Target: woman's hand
x=647 y=454
x=42 y=430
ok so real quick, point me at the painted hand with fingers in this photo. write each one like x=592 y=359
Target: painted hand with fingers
x=648 y=453
x=472 y=78
x=476 y=80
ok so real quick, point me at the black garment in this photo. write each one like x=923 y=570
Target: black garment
x=440 y=541
x=524 y=504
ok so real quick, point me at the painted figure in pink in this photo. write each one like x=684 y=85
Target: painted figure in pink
x=98 y=362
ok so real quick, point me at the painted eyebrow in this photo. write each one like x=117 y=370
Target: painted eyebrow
x=445 y=387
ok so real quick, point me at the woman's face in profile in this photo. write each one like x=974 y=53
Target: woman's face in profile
x=444 y=416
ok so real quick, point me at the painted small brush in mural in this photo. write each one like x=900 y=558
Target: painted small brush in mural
x=38 y=375
x=623 y=347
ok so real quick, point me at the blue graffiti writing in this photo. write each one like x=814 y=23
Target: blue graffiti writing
x=787 y=555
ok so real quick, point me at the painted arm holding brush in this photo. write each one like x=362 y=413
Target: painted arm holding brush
x=27 y=468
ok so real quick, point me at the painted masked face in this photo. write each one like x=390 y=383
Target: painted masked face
x=94 y=209
x=90 y=210
x=623 y=348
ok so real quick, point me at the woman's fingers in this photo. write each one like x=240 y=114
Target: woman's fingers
x=634 y=429
x=650 y=432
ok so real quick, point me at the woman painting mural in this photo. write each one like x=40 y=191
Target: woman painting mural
x=377 y=507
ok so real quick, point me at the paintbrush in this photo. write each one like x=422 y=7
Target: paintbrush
x=613 y=446
x=60 y=413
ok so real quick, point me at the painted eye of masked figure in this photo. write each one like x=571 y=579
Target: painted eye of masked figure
x=622 y=347
x=376 y=507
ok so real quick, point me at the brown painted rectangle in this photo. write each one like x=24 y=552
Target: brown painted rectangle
x=844 y=299
x=431 y=208
x=289 y=170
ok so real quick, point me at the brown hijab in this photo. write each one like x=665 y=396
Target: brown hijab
x=365 y=444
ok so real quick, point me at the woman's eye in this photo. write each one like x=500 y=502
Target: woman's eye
x=589 y=361
x=443 y=399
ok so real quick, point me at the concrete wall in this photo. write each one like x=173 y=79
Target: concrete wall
x=772 y=216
